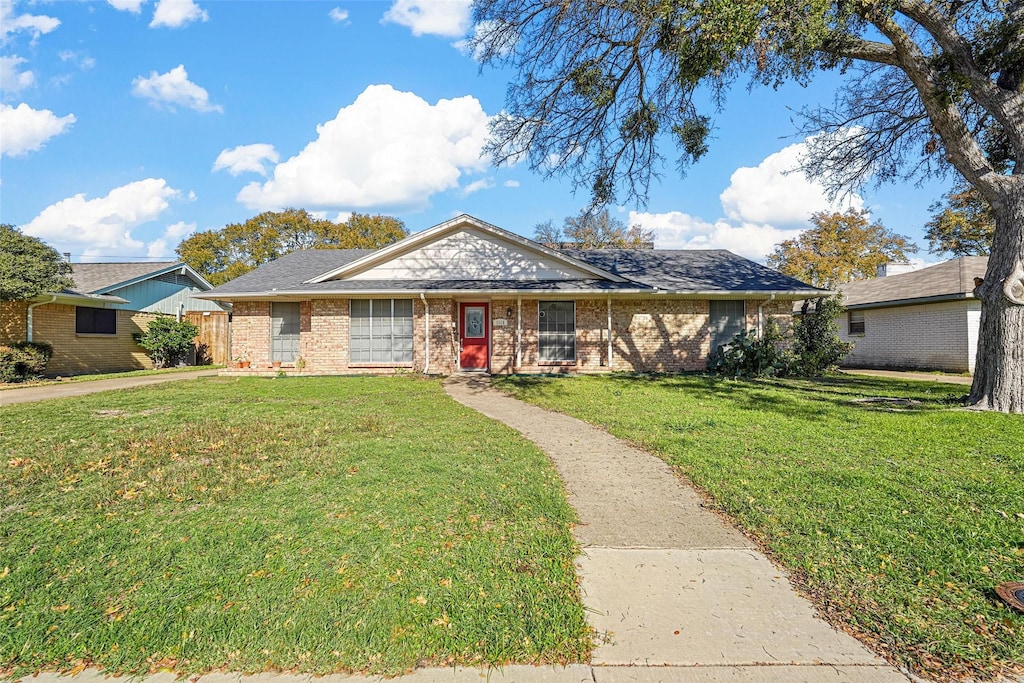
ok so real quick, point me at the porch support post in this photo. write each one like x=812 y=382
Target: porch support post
x=519 y=332
x=609 y=332
x=426 y=333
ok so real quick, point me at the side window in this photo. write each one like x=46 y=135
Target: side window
x=856 y=321
x=95 y=320
x=727 y=319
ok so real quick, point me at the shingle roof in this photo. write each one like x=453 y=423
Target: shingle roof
x=291 y=270
x=951 y=279
x=673 y=270
x=92 y=277
x=702 y=270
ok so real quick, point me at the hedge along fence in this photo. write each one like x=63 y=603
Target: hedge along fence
x=23 y=360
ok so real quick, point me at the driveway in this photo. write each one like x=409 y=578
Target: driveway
x=28 y=394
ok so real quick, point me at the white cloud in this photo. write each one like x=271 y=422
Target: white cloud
x=165 y=244
x=177 y=13
x=35 y=24
x=82 y=61
x=678 y=230
x=773 y=192
x=511 y=183
x=338 y=15
x=103 y=225
x=26 y=129
x=133 y=6
x=477 y=185
x=387 y=149
x=448 y=18
x=12 y=80
x=173 y=88
x=246 y=159
x=762 y=206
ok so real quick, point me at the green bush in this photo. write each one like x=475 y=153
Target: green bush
x=816 y=337
x=748 y=356
x=22 y=360
x=168 y=340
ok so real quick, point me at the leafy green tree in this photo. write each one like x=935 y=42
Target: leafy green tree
x=934 y=83
x=840 y=247
x=816 y=343
x=961 y=225
x=29 y=266
x=594 y=230
x=167 y=339
x=222 y=255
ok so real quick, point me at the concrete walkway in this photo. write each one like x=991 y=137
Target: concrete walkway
x=668 y=583
x=27 y=394
x=904 y=374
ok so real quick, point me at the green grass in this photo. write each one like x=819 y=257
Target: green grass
x=315 y=525
x=898 y=518
x=105 y=375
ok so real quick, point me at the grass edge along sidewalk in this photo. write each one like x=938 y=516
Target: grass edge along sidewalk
x=896 y=512
x=309 y=525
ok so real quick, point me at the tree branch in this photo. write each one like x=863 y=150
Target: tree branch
x=962 y=148
x=1006 y=106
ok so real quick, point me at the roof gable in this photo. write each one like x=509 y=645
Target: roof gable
x=103 y=278
x=466 y=248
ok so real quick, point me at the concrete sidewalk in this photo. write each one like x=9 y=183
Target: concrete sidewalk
x=905 y=374
x=27 y=394
x=666 y=582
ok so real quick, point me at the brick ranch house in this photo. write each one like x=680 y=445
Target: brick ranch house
x=91 y=324
x=466 y=295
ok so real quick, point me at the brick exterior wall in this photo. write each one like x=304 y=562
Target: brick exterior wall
x=667 y=335
x=324 y=338
x=935 y=336
x=75 y=354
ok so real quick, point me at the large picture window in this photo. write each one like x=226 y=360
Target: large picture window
x=95 y=320
x=557 y=331
x=380 y=331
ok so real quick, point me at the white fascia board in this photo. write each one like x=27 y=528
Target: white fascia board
x=780 y=295
x=433 y=233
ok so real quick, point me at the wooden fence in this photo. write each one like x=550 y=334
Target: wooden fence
x=213 y=343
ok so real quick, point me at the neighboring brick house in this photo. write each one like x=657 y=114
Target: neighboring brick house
x=926 y=319
x=90 y=325
x=466 y=295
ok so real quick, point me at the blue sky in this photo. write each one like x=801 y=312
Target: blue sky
x=125 y=125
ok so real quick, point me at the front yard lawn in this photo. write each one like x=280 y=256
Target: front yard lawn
x=897 y=516
x=315 y=525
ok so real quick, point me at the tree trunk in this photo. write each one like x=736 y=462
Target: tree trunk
x=999 y=370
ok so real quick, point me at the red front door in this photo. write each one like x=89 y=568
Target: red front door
x=474 y=336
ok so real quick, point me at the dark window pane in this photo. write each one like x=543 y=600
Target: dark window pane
x=95 y=320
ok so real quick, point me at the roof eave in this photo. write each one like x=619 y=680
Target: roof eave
x=912 y=301
x=779 y=295
x=74 y=298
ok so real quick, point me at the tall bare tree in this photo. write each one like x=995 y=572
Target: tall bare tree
x=933 y=87
x=594 y=230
